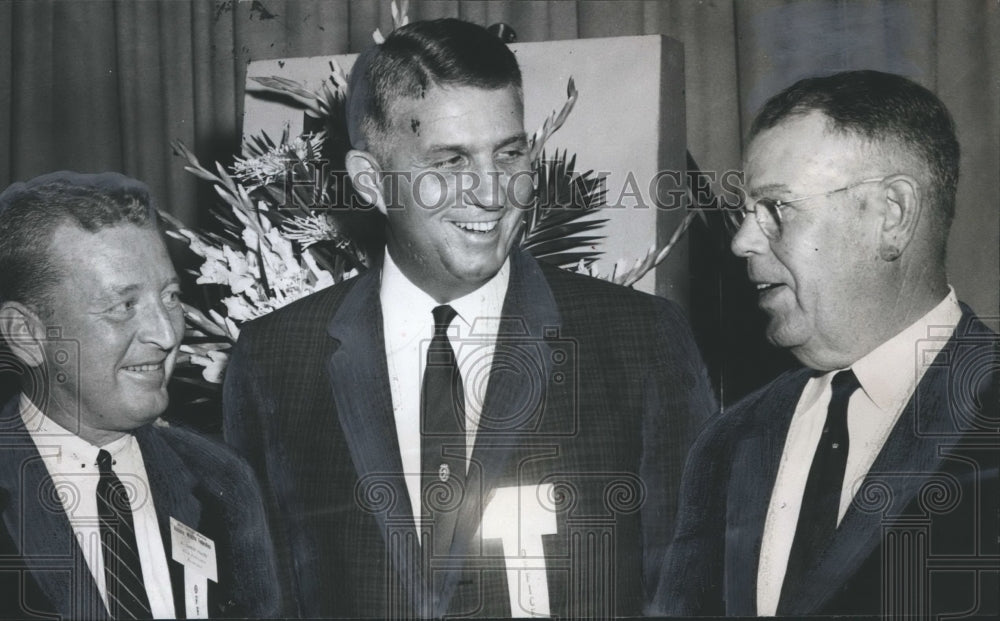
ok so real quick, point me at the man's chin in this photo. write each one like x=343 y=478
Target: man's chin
x=780 y=334
x=146 y=408
x=480 y=267
x=807 y=351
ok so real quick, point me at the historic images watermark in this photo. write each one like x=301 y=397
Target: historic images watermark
x=324 y=187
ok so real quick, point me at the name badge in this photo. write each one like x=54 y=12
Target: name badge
x=196 y=553
x=518 y=519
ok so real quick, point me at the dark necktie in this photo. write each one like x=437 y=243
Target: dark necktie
x=122 y=570
x=821 y=500
x=442 y=424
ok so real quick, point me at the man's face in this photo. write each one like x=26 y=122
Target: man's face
x=118 y=302
x=455 y=206
x=819 y=283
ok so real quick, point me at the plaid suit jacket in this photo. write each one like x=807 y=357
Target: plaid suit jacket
x=921 y=537
x=595 y=389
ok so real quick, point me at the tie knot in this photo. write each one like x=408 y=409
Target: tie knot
x=443 y=315
x=104 y=462
x=844 y=384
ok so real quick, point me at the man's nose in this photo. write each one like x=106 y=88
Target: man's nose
x=162 y=326
x=749 y=238
x=487 y=191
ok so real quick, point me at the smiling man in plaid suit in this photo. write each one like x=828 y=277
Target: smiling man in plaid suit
x=463 y=430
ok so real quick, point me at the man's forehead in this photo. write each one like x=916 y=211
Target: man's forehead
x=796 y=131
x=117 y=257
x=440 y=102
x=805 y=143
x=69 y=232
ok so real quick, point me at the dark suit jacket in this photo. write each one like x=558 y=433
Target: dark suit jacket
x=594 y=388
x=197 y=481
x=921 y=536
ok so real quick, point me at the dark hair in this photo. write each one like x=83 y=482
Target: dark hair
x=415 y=57
x=31 y=211
x=883 y=108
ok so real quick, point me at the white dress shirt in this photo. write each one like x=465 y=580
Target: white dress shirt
x=408 y=325
x=888 y=375
x=72 y=465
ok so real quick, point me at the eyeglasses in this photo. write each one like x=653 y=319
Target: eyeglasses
x=769 y=218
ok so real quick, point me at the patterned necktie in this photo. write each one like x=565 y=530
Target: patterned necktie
x=126 y=593
x=442 y=425
x=821 y=500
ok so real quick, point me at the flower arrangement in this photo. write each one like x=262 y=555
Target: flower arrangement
x=287 y=227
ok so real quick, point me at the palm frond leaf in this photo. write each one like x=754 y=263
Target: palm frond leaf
x=553 y=247
x=565 y=205
x=572 y=229
x=568 y=260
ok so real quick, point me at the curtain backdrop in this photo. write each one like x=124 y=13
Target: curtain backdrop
x=102 y=85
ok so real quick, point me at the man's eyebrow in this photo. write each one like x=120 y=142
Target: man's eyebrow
x=125 y=290
x=520 y=137
x=113 y=294
x=442 y=147
x=770 y=188
x=516 y=138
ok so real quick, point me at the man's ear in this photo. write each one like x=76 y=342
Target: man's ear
x=365 y=171
x=23 y=332
x=904 y=204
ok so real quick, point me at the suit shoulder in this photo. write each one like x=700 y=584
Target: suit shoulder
x=579 y=291
x=971 y=331
x=565 y=280
x=788 y=380
x=302 y=313
x=757 y=407
x=208 y=458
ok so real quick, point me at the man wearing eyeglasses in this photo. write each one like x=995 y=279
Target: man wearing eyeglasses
x=867 y=481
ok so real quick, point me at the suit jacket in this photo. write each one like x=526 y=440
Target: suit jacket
x=197 y=481
x=921 y=535
x=595 y=389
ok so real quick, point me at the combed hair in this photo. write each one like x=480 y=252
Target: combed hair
x=30 y=212
x=425 y=54
x=887 y=110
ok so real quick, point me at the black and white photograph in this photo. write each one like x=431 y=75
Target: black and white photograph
x=499 y=308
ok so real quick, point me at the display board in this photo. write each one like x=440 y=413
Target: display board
x=627 y=125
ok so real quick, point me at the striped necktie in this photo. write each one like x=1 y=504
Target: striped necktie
x=126 y=592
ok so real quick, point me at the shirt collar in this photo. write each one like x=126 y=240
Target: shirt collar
x=72 y=449
x=407 y=308
x=480 y=310
x=889 y=373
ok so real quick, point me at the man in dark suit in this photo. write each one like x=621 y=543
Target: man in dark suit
x=106 y=511
x=463 y=430
x=866 y=482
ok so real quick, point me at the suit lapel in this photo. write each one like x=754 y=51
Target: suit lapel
x=359 y=379
x=910 y=457
x=38 y=526
x=757 y=456
x=175 y=494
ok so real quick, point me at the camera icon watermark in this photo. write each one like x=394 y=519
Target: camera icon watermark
x=962 y=380
x=48 y=384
